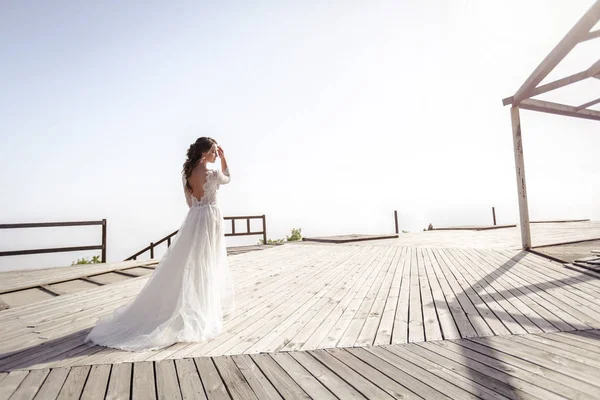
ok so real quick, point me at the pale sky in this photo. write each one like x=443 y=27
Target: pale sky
x=332 y=115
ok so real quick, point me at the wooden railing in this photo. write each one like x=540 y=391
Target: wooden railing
x=101 y=247
x=248 y=232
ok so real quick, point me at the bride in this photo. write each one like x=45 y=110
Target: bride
x=191 y=288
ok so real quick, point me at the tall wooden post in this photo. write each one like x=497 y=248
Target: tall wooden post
x=396 y=221
x=104 y=241
x=521 y=185
x=494 y=214
x=264 y=221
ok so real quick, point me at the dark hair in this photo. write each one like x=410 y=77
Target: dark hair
x=194 y=155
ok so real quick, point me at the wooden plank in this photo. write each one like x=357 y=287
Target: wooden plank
x=119 y=384
x=189 y=379
x=97 y=383
x=482 y=301
x=416 y=331
x=517 y=310
x=285 y=385
x=213 y=385
x=53 y=384
x=263 y=389
x=582 y=304
x=493 y=380
x=533 y=383
x=301 y=300
x=300 y=325
x=463 y=324
x=19 y=280
x=447 y=376
x=448 y=327
x=366 y=296
x=493 y=301
x=336 y=333
x=373 y=318
x=302 y=377
x=554 y=302
x=403 y=371
x=245 y=324
x=326 y=377
x=464 y=296
x=574 y=354
x=359 y=382
x=582 y=336
x=144 y=384
x=167 y=385
x=513 y=358
x=30 y=386
x=515 y=381
x=11 y=383
x=556 y=363
x=332 y=314
x=431 y=323
x=237 y=386
x=400 y=327
x=395 y=381
x=571 y=341
x=386 y=325
x=74 y=383
x=528 y=296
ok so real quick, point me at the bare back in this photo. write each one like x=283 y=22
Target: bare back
x=197 y=181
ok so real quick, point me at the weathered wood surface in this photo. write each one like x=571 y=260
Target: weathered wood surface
x=306 y=297
x=532 y=366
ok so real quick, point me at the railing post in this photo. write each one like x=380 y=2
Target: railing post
x=396 y=221
x=104 y=240
x=494 y=215
x=264 y=219
x=151 y=250
x=248 y=225
x=233 y=226
x=169 y=241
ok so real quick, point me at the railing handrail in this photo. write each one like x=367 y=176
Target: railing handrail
x=248 y=232
x=101 y=247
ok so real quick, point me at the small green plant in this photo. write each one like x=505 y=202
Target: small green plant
x=94 y=260
x=271 y=241
x=296 y=235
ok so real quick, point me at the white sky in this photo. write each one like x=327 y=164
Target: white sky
x=332 y=115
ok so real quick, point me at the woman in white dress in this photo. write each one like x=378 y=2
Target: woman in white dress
x=191 y=289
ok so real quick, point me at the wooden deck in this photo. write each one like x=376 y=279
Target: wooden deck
x=341 y=320
x=533 y=366
x=320 y=296
x=542 y=234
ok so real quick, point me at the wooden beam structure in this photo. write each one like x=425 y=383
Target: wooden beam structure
x=580 y=32
x=522 y=99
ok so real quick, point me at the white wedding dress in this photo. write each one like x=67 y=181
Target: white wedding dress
x=190 y=290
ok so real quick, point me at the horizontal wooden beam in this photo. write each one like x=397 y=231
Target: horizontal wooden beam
x=580 y=31
x=588 y=104
x=559 y=109
x=44 y=251
x=48 y=224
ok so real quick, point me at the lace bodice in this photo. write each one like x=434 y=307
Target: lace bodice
x=214 y=179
